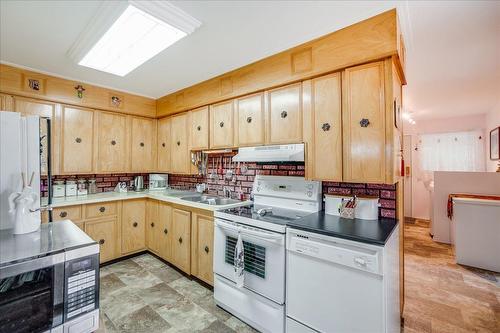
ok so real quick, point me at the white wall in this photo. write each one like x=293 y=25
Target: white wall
x=492 y=120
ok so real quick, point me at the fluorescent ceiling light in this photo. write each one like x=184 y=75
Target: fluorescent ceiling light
x=136 y=36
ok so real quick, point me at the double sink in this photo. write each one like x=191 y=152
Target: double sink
x=200 y=198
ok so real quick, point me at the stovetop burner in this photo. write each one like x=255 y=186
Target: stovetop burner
x=267 y=214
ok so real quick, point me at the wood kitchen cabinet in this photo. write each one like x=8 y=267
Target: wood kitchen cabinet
x=111 y=142
x=165 y=232
x=6 y=102
x=202 y=243
x=133 y=225
x=249 y=120
x=284 y=124
x=153 y=226
x=77 y=144
x=326 y=113
x=164 y=145
x=180 y=162
x=181 y=239
x=364 y=154
x=104 y=232
x=199 y=128
x=142 y=144
x=73 y=213
x=222 y=125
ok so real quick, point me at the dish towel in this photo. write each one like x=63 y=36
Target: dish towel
x=239 y=262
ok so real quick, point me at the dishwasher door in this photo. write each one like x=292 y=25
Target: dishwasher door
x=334 y=285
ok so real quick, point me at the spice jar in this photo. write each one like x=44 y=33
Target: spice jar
x=92 y=186
x=82 y=187
x=58 y=189
x=70 y=188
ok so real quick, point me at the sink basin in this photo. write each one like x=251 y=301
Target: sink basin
x=210 y=200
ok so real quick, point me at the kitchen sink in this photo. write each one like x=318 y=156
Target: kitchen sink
x=210 y=200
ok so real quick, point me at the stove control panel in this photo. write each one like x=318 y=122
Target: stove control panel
x=288 y=187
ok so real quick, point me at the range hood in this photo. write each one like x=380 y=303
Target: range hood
x=278 y=153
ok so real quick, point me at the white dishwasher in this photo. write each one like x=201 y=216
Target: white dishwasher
x=338 y=285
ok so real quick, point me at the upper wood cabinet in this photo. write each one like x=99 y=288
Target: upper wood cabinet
x=326 y=112
x=143 y=144
x=199 y=128
x=364 y=123
x=284 y=123
x=180 y=151
x=164 y=144
x=6 y=102
x=111 y=145
x=165 y=232
x=181 y=239
x=249 y=120
x=77 y=140
x=133 y=225
x=222 y=125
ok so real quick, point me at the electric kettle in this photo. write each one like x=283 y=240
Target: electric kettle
x=139 y=183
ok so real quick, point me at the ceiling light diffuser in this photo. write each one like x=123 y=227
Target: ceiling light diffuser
x=141 y=31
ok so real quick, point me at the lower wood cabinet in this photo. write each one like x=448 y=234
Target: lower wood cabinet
x=202 y=238
x=181 y=239
x=133 y=225
x=153 y=227
x=104 y=232
x=164 y=232
x=73 y=213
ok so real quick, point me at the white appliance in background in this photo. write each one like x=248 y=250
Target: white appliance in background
x=158 y=181
x=261 y=300
x=278 y=153
x=19 y=157
x=338 y=285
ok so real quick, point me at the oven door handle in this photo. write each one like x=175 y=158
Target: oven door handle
x=32 y=265
x=256 y=234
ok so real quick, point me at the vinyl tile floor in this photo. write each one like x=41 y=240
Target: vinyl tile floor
x=143 y=294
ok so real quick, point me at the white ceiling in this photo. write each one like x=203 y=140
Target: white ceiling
x=453 y=47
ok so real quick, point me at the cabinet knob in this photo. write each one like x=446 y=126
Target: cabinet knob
x=198 y=128
x=249 y=120
x=364 y=122
x=63 y=214
x=113 y=142
x=221 y=124
x=178 y=143
x=102 y=209
x=325 y=127
x=165 y=231
x=207 y=249
x=101 y=241
x=141 y=144
x=180 y=240
x=152 y=224
x=163 y=144
x=134 y=224
x=78 y=140
x=284 y=114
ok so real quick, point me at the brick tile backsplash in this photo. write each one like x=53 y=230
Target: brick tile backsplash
x=107 y=182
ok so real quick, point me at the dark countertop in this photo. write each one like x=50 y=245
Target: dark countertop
x=367 y=231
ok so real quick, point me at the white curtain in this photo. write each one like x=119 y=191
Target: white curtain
x=458 y=151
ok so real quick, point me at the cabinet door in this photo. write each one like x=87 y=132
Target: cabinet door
x=153 y=226
x=143 y=144
x=33 y=107
x=364 y=123
x=104 y=232
x=326 y=108
x=133 y=225
x=164 y=145
x=199 y=128
x=205 y=246
x=6 y=102
x=181 y=239
x=111 y=142
x=77 y=140
x=285 y=115
x=250 y=127
x=221 y=125
x=180 y=152
x=165 y=232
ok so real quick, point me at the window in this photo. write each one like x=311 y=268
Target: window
x=460 y=151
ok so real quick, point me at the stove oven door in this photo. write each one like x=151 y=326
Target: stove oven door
x=264 y=258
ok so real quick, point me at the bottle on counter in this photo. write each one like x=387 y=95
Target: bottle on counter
x=58 y=189
x=92 y=186
x=82 y=187
x=71 y=188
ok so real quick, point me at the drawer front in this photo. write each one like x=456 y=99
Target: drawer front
x=100 y=209
x=73 y=213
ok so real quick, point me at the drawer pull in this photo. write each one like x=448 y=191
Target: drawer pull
x=207 y=249
x=178 y=143
x=221 y=124
x=249 y=120
x=135 y=224
x=325 y=127
x=101 y=241
x=113 y=142
x=163 y=144
x=141 y=144
x=165 y=231
x=198 y=128
x=364 y=122
x=78 y=140
x=284 y=114
x=152 y=224
x=180 y=240
x=63 y=214
x=102 y=209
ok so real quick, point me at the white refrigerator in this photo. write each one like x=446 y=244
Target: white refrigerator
x=24 y=152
